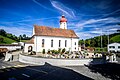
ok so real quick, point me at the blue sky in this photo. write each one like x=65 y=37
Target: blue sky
x=88 y=18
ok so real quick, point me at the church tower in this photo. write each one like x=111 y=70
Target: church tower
x=63 y=22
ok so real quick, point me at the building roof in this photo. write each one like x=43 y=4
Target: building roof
x=63 y=19
x=56 y=32
x=3 y=50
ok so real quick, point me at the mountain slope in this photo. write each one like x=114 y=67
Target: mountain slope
x=5 y=40
x=115 y=39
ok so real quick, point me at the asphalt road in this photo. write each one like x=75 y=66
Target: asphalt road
x=45 y=72
x=21 y=71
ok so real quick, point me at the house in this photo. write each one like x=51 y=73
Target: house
x=10 y=47
x=114 y=47
x=49 y=38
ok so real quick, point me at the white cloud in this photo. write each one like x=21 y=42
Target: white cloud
x=91 y=21
x=64 y=9
x=17 y=30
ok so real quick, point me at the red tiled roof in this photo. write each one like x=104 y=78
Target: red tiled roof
x=3 y=50
x=57 y=32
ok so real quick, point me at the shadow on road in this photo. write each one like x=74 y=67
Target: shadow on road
x=109 y=70
x=45 y=72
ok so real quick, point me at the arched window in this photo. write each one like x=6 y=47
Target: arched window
x=30 y=48
x=65 y=43
x=59 y=43
x=43 y=42
x=51 y=43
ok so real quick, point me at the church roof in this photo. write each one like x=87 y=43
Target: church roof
x=57 y=32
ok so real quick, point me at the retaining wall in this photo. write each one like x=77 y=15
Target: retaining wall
x=56 y=62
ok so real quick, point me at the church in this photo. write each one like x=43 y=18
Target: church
x=49 y=38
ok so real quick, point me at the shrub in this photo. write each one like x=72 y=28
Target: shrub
x=43 y=51
x=56 y=52
x=63 y=50
x=52 y=51
x=59 y=50
x=48 y=51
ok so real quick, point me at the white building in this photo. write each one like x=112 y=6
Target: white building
x=52 y=38
x=10 y=47
x=114 y=47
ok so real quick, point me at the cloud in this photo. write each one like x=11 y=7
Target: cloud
x=35 y=1
x=91 y=21
x=17 y=30
x=64 y=9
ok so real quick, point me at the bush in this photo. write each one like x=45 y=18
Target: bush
x=48 y=52
x=52 y=51
x=59 y=50
x=56 y=52
x=43 y=51
x=63 y=50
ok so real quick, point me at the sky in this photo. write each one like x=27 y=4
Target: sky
x=88 y=18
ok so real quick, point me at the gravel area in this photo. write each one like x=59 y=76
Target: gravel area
x=87 y=72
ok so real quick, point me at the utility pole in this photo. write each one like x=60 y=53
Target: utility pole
x=101 y=38
x=108 y=37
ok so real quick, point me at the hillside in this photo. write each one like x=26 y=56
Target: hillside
x=5 y=40
x=115 y=39
x=96 y=41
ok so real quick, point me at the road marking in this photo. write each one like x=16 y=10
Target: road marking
x=25 y=75
x=38 y=70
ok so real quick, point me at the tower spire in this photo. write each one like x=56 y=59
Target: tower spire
x=63 y=22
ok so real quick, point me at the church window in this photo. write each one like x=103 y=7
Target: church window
x=51 y=43
x=65 y=43
x=75 y=43
x=43 y=42
x=59 y=43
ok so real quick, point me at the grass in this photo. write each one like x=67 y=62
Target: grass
x=115 y=39
x=24 y=40
x=6 y=40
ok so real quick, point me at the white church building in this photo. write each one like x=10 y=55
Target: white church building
x=49 y=38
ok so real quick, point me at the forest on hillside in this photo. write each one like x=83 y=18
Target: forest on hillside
x=96 y=41
x=7 y=36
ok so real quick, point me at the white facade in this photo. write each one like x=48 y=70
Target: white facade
x=114 y=47
x=26 y=47
x=63 y=25
x=10 y=48
x=70 y=43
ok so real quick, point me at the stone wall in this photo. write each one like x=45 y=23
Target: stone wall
x=56 y=62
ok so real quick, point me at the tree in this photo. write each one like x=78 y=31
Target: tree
x=24 y=36
x=118 y=30
x=43 y=51
x=1 y=39
x=2 y=32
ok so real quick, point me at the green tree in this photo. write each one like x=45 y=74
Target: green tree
x=43 y=51
x=2 y=32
